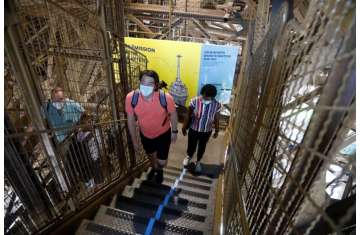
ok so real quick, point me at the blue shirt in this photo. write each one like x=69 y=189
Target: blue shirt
x=66 y=117
x=203 y=114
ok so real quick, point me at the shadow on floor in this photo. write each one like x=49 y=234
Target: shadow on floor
x=210 y=170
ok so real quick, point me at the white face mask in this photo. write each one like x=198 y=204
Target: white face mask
x=58 y=105
x=146 y=90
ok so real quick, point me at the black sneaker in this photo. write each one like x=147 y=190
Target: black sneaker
x=151 y=175
x=159 y=178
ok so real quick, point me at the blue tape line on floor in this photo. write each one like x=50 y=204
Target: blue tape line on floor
x=150 y=227
x=161 y=206
x=159 y=211
x=167 y=198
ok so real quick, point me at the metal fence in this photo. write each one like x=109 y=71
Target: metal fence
x=291 y=163
x=63 y=43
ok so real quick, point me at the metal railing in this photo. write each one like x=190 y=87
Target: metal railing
x=91 y=157
x=291 y=160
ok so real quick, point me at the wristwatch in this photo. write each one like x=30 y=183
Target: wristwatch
x=175 y=131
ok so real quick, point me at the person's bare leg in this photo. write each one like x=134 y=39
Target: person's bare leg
x=161 y=163
x=160 y=174
x=153 y=160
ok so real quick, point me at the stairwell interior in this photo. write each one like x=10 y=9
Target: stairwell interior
x=285 y=158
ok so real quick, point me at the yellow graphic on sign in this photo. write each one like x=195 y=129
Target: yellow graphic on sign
x=162 y=57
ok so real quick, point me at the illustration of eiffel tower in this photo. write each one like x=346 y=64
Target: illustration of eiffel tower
x=178 y=90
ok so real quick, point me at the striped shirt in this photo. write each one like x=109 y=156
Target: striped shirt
x=203 y=114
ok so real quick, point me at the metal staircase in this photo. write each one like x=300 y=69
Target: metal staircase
x=182 y=204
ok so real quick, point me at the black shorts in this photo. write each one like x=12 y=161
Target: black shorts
x=160 y=145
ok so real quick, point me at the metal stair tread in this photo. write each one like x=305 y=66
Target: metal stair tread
x=190 y=183
x=185 y=206
x=190 y=190
x=110 y=216
x=120 y=219
x=188 y=176
x=181 y=200
x=188 y=173
x=88 y=227
x=164 y=189
x=146 y=209
x=160 y=193
x=169 y=210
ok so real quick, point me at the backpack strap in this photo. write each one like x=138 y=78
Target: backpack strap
x=163 y=101
x=135 y=98
x=48 y=105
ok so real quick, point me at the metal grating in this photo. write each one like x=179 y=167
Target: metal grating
x=294 y=126
x=99 y=229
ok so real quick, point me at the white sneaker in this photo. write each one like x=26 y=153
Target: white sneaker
x=186 y=161
x=90 y=183
x=198 y=167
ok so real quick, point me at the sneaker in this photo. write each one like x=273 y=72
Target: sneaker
x=198 y=167
x=151 y=175
x=186 y=161
x=90 y=184
x=159 y=178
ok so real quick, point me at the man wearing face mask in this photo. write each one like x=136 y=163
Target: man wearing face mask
x=204 y=110
x=65 y=113
x=155 y=113
x=62 y=112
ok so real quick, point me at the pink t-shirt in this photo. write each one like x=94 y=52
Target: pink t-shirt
x=150 y=114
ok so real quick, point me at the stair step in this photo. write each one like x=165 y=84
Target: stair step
x=139 y=208
x=181 y=200
x=92 y=228
x=164 y=189
x=171 y=204
x=188 y=182
x=187 y=176
x=207 y=174
x=190 y=190
x=114 y=218
x=168 y=211
x=125 y=220
x=173 y=168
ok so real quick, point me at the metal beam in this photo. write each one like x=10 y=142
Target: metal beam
x=140 y=24
x=164 y=31
x=224 y=27
x=201 y=28
x=206 y=14
x=77 y=53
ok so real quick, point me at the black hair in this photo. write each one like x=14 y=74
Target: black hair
x=208 y=90
x=150 y=73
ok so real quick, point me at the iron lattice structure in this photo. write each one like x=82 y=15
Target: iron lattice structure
x=218 y=22
x=73 y=45
x=291 y=162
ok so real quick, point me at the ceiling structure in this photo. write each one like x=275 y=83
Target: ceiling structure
x=190 y=20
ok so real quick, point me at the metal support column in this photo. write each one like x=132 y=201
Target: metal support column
x=108 y=62
x=120 y=32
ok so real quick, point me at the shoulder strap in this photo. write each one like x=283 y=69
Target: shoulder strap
x=48 y=105
x=162 y=97
x=135 y=98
